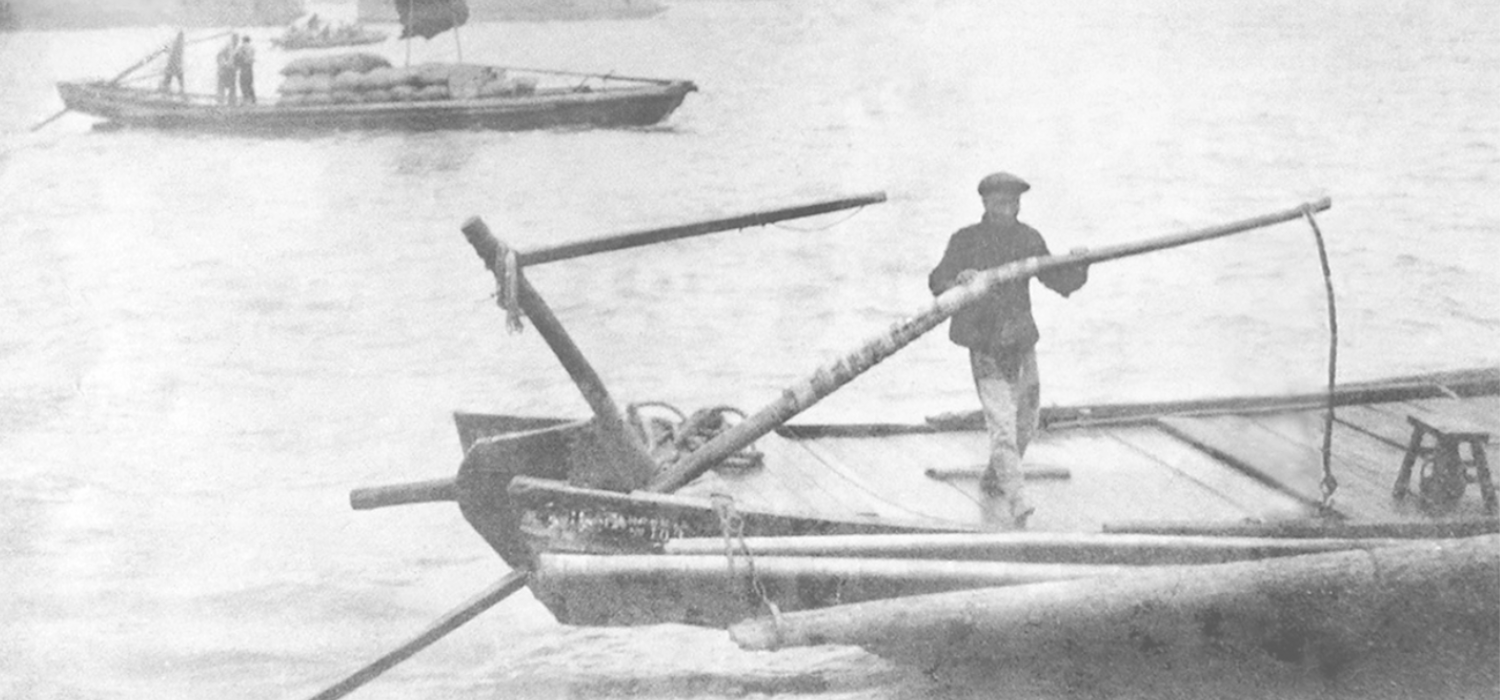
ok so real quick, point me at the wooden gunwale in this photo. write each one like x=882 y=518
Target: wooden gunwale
x=633 y=105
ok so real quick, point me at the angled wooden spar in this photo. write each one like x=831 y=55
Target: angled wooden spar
x=828 y=378
x=621 y=241
x=627 y=466
x=629 y=471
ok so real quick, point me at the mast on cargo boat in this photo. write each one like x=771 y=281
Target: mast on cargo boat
x=429 y=18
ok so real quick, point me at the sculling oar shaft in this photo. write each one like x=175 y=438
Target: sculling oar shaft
x=621 y=241
x=450 y=621
x=828 y=378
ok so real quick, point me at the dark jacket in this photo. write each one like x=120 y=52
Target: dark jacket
x=1002 y=322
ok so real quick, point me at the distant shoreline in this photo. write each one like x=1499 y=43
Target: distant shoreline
x=100 y=14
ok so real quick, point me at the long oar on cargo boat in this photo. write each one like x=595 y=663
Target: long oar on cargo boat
x=828 y=378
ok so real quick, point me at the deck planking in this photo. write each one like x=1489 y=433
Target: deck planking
x=1261 y=467
x=1246 y=444
x=1244 y=496
x=893 y=471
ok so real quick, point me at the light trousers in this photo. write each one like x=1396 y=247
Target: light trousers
x=1010 y=395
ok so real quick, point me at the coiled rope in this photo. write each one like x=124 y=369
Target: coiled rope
x=669 y=440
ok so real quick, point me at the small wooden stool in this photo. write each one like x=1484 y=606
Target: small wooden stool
x=1445 y=474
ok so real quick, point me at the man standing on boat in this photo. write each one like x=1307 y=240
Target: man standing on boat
x=244 y=63
x=225 y=62
x=174 y=65
x=1001 y=336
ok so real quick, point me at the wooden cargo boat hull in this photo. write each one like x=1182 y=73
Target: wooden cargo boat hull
x=299 y=42
x=512 y=487
x=616 y=107
x=1287 y=546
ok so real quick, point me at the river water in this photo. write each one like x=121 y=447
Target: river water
x=207 y=341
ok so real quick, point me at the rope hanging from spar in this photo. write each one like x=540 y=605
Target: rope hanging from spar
x=507 y=285
x=1329 y=484
x=732 y=526
x=814 y=229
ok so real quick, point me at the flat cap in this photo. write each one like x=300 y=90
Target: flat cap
x=1003 y=182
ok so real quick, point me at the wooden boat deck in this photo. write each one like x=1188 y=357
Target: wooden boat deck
x=1225 y=468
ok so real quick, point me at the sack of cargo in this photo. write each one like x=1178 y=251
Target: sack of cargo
x=378 y=79
x=307 y=65
x=497 y=88
x=464 y=81
x=293 y=85
x=524 y=85
x=432 y=92
x=357 y=62
x=429 y=74
x=347 y=81
x=403 y=93
x=372 y=96
x=364 y=62
x=321 y=83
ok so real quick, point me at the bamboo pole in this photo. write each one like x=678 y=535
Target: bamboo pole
x=715 y=590
x=1322 y=611
x=452 y=620
x=1035 y=547
x=1430 y=529
x=828 y=378
x=709 y=568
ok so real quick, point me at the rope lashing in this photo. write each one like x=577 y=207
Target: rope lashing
x=507 y=285
x=732 y=526
x=669 y=440
x=1329 y=483
x=815 y=229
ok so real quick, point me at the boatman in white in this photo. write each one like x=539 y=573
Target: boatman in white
x=1001 y=337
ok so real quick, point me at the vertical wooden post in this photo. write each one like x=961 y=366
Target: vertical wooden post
x=629 y=467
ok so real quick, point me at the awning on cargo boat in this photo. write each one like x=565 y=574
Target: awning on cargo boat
x=429 y=18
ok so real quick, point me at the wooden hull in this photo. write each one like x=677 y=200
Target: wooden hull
x=531 y=10
x=608 y=558
x=303 y=43
x=617 y=107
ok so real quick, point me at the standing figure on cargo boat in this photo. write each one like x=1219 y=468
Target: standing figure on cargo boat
x=225 y=61
x=244 y=64
x=1001 y=337
x=173 y=70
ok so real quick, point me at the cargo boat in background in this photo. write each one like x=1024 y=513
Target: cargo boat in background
x=427 y=97
x=531 y=10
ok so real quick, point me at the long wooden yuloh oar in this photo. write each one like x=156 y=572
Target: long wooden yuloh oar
x=828 y=378
x=450 y=621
